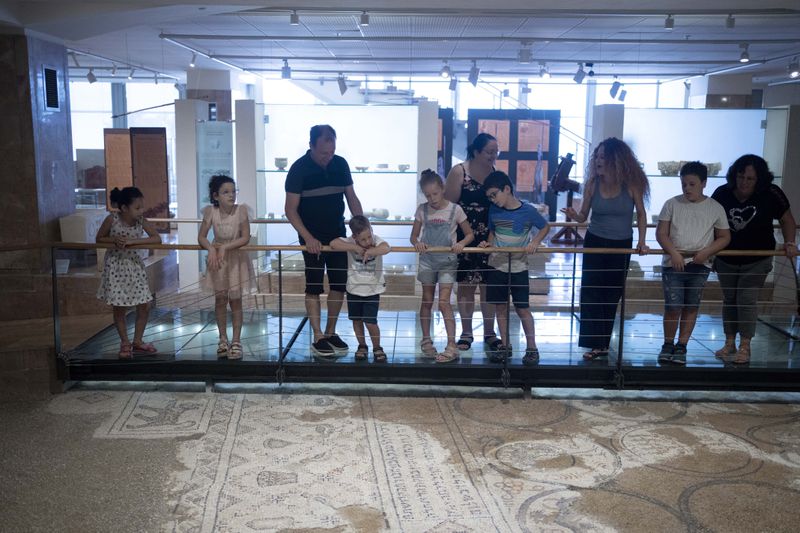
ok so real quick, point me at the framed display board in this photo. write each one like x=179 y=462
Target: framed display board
x=117 y=154
x=150 y=174
x=528 y=143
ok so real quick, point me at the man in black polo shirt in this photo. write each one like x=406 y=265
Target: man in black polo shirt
x=316 y=187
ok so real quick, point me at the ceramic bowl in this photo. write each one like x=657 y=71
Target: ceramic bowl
x=281 y=162
x=362 y=169
x=403 y=167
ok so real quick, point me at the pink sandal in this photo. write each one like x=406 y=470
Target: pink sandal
x=125 y=351
x=147 y=348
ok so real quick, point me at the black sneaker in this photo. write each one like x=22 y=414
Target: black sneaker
x=666 y=353
x=531 y=357
x=500 y=354
x=338 y=345
x=323 y=349
x=679 y=354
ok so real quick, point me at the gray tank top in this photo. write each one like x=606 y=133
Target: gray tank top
x=612 y=218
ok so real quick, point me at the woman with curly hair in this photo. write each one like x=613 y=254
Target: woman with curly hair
x=616 y=185
x=751 y=202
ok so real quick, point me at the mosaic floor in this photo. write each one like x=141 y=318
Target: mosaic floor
x=352 y=460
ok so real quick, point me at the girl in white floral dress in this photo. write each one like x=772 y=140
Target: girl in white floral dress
x=124 y=282
x=230 y=271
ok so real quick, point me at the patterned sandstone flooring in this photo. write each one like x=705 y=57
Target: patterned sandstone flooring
x=340 y=460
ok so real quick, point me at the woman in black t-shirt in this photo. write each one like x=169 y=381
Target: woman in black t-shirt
x=751 y=202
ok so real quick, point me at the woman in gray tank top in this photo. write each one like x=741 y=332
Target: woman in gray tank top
x=616 y=185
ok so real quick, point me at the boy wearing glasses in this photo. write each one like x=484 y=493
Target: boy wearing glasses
x=512 y=223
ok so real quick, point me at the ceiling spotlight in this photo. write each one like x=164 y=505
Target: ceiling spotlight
x=193 y=61
x=615 y=87
x=114 y=70
x=591 y=69
x=342 y=84
x=294 y=18
x=745 y=57
x=730 y=22
x=544 y=72
x=286 y=70
x=474 y=73
x=453 y=83
x=669 y=23
x=525 y=55
x=364 y=19
x=622 y=94
x=579 y=74
x=794 y=69
x=445 y=72
x=130 y=74
x=90 y=76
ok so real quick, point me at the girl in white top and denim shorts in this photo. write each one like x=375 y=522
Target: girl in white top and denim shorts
x=435 y=224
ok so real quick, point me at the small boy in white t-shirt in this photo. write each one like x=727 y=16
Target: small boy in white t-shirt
x=695 y=224
x=365 y=283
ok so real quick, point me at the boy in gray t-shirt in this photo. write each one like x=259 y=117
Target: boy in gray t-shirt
x=696 y=224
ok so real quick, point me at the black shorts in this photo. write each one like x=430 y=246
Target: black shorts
x=498 y=287
x=364 y=308
x=334 y=262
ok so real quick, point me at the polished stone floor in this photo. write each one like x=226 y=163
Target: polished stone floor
x=185 y=335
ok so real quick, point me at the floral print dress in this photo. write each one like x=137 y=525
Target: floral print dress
x=472 y=268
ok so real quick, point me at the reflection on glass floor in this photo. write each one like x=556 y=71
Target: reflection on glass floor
x=192 y=336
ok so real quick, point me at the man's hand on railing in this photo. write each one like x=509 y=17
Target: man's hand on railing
x=791 y=249
x=313 y=246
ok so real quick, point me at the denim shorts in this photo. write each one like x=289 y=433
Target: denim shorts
x=684 y=289
x=499 y=285
x=436 y=271
x=364 y=308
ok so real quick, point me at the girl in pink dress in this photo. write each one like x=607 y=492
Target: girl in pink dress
x=229 y=270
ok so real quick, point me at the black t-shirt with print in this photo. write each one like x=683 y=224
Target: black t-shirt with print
x=751 y=221
x=321 y=193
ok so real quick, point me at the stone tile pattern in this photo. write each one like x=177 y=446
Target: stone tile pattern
x=363 y=463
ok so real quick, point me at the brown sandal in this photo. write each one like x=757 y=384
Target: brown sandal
x=427 y=348
x=362 y=352
x=378 y=355
x=742 y=356
x=726 y=351
x=235 y=351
